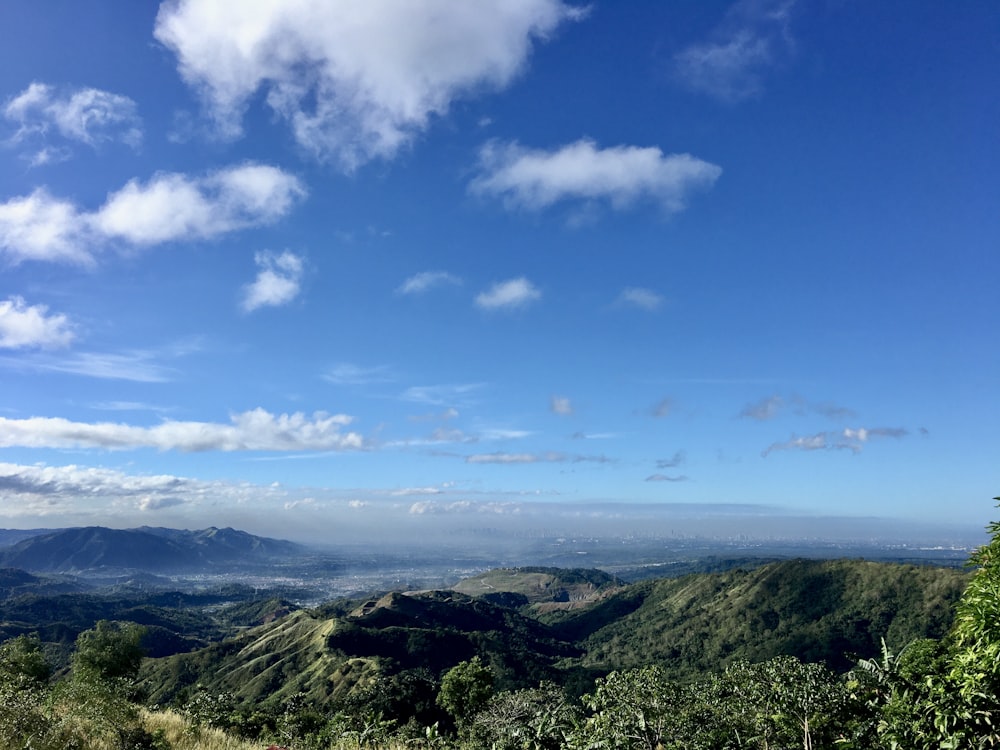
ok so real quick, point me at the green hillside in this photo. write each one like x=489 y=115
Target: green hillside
x=818 y=611
x=546 y=588
x=827 y=611
x=328 y=658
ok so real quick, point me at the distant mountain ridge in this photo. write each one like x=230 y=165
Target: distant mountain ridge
x=147 y=549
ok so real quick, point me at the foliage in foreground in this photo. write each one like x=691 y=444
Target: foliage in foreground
x=940 y=694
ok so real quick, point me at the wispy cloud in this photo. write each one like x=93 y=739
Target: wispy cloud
x=355 y=81
x=849 y=439
x=730 y=66
x=508 y=295
x=666 y=478
x=766 y=408
x=427 y=280
x=644 y=299
x=346 y=373
x=25 y=326
x=448 y=395
x=255 y=430
x=279 y=278
x=501 y=457
x=662 y=408
x=771 y=406
x=168 y=208
x=561 y=405
x=437 y=507
x=673 y=462
x=620 y=176
x=87 y=115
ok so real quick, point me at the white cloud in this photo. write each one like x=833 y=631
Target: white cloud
x=23 y=326
x=255 y=430
x=346 y=373
x=730 y=66
x=355 y=81
x=501 y=457
x=278 y=281
x=621 y=176
x=644 y=299
x=561 y=405
x=427 y=507
x=509 y=294
x=666 y=478
x=168 y=208
x=174 y=206
x=89 y=116
x=40 y=227
x=39 y=490
x=422 y=282
x=460 y=394
x=849 y=439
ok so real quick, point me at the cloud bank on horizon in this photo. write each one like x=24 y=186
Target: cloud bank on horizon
x=749 y=258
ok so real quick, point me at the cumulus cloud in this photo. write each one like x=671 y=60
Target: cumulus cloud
x=355 y=81
x=174 y=206
x=279 y=277
x=426 y=280
x=44 y=228
x=87 y=115
x=644 y=299
x=255 y=430
x=561 y=405
x=39 y=490
x=621 y=176
x=507 y=295
x=28 y=326
x=849 y=439
x=730 y=65
x=167 y=208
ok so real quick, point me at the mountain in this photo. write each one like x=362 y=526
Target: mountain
x=13 y=536
x=826 y=611
x=543 y=588
x=417 y=635
x=818 y=610
x=152 y=550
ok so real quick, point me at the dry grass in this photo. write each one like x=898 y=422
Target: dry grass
x=179 y=732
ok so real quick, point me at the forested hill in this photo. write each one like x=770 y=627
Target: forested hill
x=816 y=610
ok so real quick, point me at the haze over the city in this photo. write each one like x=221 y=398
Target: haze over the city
x=368 y=270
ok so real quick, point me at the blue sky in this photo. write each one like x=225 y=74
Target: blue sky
x=348 y=270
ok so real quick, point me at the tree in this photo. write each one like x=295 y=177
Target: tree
x=111 y=650
x=24 y=677
x=465 y=689
x=975 y=654
x=539 y=718
x=638 y=708
x=98 y=698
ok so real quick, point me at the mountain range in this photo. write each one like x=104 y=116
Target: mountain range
x=145 y=549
